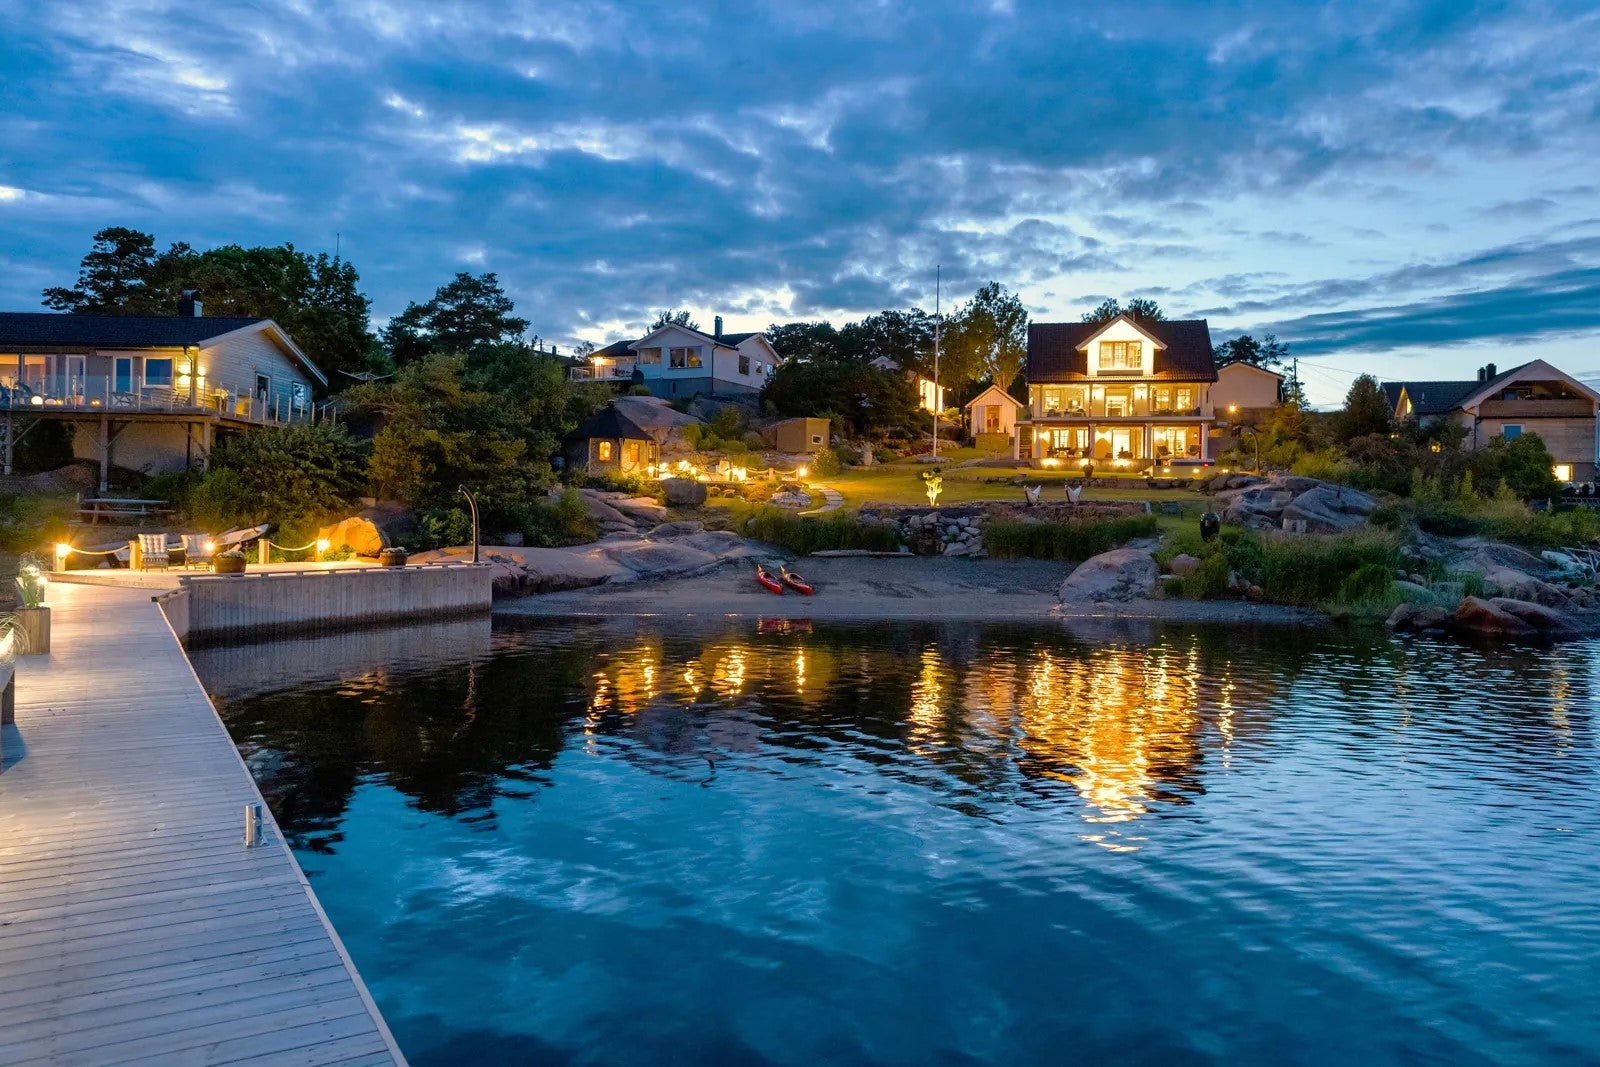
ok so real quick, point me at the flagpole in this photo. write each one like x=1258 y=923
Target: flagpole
x=938 y=277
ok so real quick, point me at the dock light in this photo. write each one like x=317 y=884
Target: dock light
x=36 y=400
x=1233 y=409
x=323 y=544
x=801 y=471
x=63 y=550
x=1434 y=448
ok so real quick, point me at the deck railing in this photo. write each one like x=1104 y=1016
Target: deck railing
x=45 y=394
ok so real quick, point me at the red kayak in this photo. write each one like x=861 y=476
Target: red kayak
x=768 y=582
x=797 y=583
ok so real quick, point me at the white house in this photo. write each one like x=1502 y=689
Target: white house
x=677 y=361
x=149 y=392
x=992 y=418
x=930 y=397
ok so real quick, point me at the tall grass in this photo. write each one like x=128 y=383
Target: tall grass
x=1068 y=541
x=802 y=535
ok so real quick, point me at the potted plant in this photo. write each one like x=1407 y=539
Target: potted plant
x=392 y=557
x=229 y=562
x=33 y=617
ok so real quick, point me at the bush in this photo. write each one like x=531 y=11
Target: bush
x=1388 y=517
x=728 y=421
x=220 y=501
x=565 y=521
x=753 y=441
x=615 y=482
x=801 y=535
x=693 y=434
x=639 y=390
x=444 y=526
x=1069 y=541
x=1370 y=581
x=1327 y=464
x=1207 y=582
x=293 y=476
x=1310 y=570
x=826 y=463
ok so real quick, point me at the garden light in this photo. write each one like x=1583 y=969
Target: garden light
x=63 y=550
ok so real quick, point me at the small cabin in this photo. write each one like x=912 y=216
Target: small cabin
x=992 y=419
x=798 y=436
x=609 y=441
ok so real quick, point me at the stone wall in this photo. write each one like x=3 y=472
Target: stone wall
x=957 y=530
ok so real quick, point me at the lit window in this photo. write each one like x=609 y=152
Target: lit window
x=681 y=358
x=1185 y=398
x=605 y=452
x=1511 y=433
x=650 y=356
x=1563 y=472
x=1121 y=355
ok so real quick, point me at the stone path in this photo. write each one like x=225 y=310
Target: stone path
x=832 y=500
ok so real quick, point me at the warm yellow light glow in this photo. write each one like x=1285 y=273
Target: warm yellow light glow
x=323 y=544
x=63 y=550
x=1435 y=447
x=1049 y=461
x=1233 y=409
x=1563 y=472
x=801 y=472
x=683 y=464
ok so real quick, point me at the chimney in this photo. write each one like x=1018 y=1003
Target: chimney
x=189 y=306
x=718 y=328
x=1489 y=372
x=1481 y=377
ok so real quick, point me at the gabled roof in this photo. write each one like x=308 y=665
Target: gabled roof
x=45 y=329
x=734 y=340
x=1136 y=321
x=1242 y=365
x=995 y=389
x=1056 y=350
x=35 y=330
x=609 y=424
x=1527 y=370
x=1437 y=398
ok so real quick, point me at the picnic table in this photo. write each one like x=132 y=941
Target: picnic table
x=93 y=508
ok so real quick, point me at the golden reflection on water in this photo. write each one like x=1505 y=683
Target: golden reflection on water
x=1121 y=725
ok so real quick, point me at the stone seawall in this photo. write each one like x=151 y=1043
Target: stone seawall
x=957 y=530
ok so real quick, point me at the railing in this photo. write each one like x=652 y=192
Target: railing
x=1537 y=407
x=53 y=393
x=1131 y=411
x=601 y=374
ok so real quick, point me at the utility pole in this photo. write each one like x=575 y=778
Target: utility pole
x=938 y=278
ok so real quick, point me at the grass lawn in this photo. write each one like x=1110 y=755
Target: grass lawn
x=899 y=483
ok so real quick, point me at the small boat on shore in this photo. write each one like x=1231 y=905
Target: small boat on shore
x=797 y=583
x=767 y=581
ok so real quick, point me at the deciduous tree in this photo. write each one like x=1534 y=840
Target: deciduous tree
x=467 y=314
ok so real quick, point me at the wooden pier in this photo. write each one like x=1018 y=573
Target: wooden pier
x=135 y=926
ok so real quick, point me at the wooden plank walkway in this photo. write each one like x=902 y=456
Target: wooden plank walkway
x=135 y=927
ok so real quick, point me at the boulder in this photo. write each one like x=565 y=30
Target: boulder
x=1184 y=564
x=658 y=559
x=1545 y=620
x=1430 y=617
x=1482 y=618
x=641 y=509
x=1329 y=508
x=362 y=536
x=684 y=492
x=1400 y=619
x=1121 y=574
x=680 y=528
x=1514 y=584
x=1413 y=591
x=600 y=510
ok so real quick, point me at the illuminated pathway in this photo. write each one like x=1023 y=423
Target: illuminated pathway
x=135 y=927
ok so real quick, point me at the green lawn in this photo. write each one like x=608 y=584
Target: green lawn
x=900 y=483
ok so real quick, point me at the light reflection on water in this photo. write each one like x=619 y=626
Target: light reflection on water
x=629 y=842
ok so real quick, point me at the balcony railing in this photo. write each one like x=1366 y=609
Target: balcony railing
x=1132 y=410
x=601 y=374
x=1554 y=407
x=45 y=394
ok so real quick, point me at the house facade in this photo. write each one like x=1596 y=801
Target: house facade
x=150 y=392
x=1245 y=390
x=992 y=420
x=930 y=395
x=1131 y=392
x=677 y=361
x=610 y=442
x=1532 y=398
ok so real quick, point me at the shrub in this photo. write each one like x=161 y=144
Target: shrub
x=693 y=434
x=564 y=521
x=1388 y=517
x=1069 y=541
x=1327 y=464
x=1310 y=570
x=1209 y=581
x=220 y=501
x=639 y=390
x=825 y=463
x=444 y=526
x=754 y=442
x=615 y=482
x=803 y=535
x=1370 y=581
x=728 y=422
x=293 y=476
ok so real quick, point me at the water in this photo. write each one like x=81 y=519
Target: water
x=632 y=843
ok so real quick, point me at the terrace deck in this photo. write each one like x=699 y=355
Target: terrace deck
x=135 y=927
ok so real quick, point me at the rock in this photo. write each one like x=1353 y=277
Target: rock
x=1329 y=508
x=1121 y=574
x=1401 y=617
x=1430 y=617
x=600 y=510
x=362 y=536
x=1255 y=593
x=1184 y=564
x=656 y=559
x=1545 y=620
x=958 y=548
x=680 y=528
x=641 y=509
x=684 y=492
x=1484 y=619
x=1413 y=592
x=1505 y=582
x=790 y=500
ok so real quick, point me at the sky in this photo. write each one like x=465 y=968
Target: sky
x=1403 y=189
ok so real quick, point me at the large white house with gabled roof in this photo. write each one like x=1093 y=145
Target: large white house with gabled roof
x=676 y=362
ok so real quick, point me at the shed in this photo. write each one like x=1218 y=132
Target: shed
x=609 y=441
x=800 y=435
x=992 y=415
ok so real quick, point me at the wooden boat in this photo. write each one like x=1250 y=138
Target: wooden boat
x=797 y=583
x=768 y=582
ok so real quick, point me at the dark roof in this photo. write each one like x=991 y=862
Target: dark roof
x=614 y=350
x=27 y=329
x=1437 y=398
x=734 y=340
x=1054 y=356
x=609 y=424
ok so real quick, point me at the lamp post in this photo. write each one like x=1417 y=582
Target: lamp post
x=1255 y=439
x=473 y=503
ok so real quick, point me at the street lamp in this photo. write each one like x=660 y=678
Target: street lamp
x=473 y=503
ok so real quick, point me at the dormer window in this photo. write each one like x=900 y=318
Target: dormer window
x=1121 y=355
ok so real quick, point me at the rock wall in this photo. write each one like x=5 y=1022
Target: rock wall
x=958 y=530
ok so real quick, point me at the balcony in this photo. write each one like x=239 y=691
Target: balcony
x=1538 y=408
x=1137 y=409
x=609 y=372
x=59 y=394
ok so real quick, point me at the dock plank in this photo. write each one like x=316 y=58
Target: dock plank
x=134 y=924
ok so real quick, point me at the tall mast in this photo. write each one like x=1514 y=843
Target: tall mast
x=938 y=277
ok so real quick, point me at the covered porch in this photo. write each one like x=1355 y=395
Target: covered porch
x=1119 y=444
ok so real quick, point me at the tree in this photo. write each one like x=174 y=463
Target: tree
x=465 y=315
x=672 y=317
x=858 y=394
x=1366 y=411
x=991 y=330
x=297 y=476
x=1139 y=306
x=905 y=338
x=122 y=274
x=810 y=342
x=1523 y=464
x=1267 y=353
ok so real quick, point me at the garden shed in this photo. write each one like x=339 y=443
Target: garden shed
x=609 y=441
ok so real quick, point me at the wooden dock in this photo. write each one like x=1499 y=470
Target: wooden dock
x=135 y=927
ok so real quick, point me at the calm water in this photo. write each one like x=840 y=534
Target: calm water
x=913 y=844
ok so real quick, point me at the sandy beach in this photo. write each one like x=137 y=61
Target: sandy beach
x=905 y=587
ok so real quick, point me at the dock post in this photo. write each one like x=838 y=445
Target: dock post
x=252 y=825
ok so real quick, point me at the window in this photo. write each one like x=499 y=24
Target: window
x=604 y=452
x=650 y=357
x=1511 y=433
x=123 y=374
x=1116 y=404
x=1121 y=355
x=744 y=363
x=1185 y=398
x=158 y=372
x=681 y=358
x=1562 y=471
x=816 y=439
x=1161 y=398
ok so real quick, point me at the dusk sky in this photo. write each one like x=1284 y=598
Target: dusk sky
x=1408 y=189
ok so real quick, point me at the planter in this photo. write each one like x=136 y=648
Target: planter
x=33 y=626
x=392 y=557
x=228 y=563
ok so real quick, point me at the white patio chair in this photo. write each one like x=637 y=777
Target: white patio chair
x=197 y=549
x=153 y=551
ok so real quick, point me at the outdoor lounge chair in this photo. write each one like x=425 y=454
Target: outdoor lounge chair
x=197 y=550
x=153 y=551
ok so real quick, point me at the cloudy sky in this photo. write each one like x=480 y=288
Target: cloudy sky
x=1408 y=189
